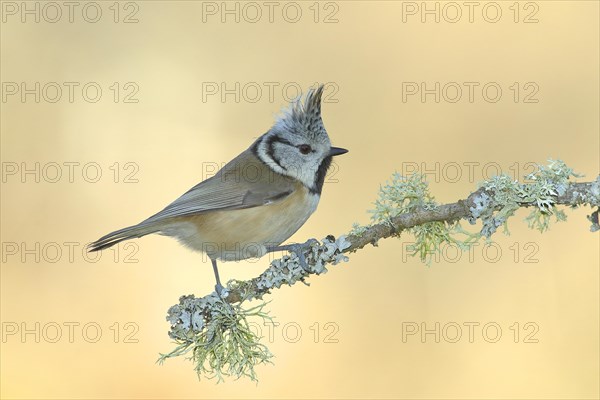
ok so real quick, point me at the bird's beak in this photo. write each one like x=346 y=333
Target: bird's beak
x=337 y=151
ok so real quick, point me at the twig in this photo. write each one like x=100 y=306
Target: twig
x=576 y=194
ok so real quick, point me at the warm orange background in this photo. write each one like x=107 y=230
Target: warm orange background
x=171 y=132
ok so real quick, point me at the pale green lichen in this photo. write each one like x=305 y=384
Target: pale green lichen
x=430 y=237
x=287 y=270
x=593 y=218
x=403 y=194
x=216 y=334
x=406 y=194
x=591 y=198
x=501 y=197
x=358 y=230
x=547 y=183
x=495 y=210
x=217 y=337
x=507 y=196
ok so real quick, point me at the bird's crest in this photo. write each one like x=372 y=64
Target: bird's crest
x=304 y=117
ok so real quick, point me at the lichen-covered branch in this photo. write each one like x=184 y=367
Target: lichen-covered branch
x=575 y=195
x=215 y=329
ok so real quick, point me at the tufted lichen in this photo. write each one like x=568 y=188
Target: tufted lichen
x=357 y=229
x=494 y=210
x=407 y=194
x=288 y=270
x=217 y=336
x=216 y=333
x=403 y=194
x=503 y=196
x=497 y=200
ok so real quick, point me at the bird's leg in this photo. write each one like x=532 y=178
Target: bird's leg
x=296 y=248
x=218 y=286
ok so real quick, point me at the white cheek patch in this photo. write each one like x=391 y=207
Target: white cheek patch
x=299 y=172
x=264 y=157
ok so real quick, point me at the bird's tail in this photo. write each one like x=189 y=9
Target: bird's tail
x=131 y=232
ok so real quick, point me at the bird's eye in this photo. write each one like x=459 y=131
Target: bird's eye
x=304 y=148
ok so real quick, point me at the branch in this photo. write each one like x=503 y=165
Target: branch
x=273 y=277
x=202 y=325
x=575 y=195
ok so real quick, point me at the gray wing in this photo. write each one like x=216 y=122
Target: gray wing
x=243 y=183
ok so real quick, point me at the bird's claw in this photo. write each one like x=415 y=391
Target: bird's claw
x=299 y=249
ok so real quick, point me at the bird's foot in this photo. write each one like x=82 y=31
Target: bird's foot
x=219 y=289
x=299 y=250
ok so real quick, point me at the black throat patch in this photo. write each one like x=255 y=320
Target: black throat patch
x=321 y=173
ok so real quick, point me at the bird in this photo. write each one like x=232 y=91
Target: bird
x=256 y=201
